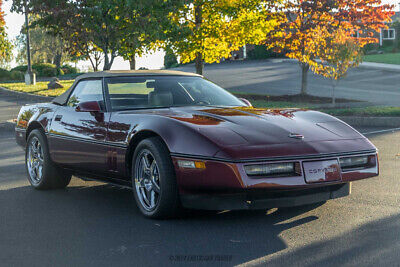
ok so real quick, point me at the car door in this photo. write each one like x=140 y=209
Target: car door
x=77 y=139
x=124 y=93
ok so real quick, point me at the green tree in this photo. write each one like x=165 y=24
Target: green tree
x=126 y=28
x=340 y=55
x=142 y=23
x=138 y=26
x=92 y=21
x=170 y=59
x=80 y=47
x=45 y=47
x=209 y=30
x=5 y=44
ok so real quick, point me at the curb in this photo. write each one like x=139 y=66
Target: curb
x=371 y=121
x=25 y=96
x=379 y=67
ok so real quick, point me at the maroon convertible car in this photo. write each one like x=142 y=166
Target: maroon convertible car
x=179 y=140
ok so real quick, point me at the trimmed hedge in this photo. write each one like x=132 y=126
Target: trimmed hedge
x=48 y=72
x=41 y=69
x=5 y=75
x=67 y=69
x=17 y=75
x=20 y=68
x=13 y=75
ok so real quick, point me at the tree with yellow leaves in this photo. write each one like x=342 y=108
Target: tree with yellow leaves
x=209 y=30
x=339 y=55
x=307 y=26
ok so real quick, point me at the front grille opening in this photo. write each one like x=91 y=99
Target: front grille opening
x=266 y=194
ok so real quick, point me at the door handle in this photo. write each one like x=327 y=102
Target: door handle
x=58 y=118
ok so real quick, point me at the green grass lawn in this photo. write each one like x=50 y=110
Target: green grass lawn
x=389 y=58
x=366 y=112
x=39 y=89
x=375 y=111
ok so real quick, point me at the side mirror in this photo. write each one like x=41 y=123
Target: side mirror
x=247 y=102
x=89 y=106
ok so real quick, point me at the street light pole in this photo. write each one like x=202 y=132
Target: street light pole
x=30 y=77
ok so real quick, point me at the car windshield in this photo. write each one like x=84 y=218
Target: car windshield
x=168 y=91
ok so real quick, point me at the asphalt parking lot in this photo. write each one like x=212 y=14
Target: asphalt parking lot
x=93 y=224
x=378 y=86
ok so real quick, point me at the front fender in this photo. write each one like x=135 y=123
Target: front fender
x=179 y=138
x=32 y=117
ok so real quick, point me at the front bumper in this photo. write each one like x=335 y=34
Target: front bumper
x=266 y=200
x=225 y=184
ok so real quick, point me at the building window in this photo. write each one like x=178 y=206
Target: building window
x=389 y=34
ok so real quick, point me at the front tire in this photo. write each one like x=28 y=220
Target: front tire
x=42 y=173
x=153 y=180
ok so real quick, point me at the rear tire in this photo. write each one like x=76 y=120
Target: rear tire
x=154 y=181
x=42 y=173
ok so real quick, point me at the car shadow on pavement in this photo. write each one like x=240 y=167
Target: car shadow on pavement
x=372 y=244
x=100 y=225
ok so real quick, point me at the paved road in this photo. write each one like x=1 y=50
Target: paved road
x=93 y=224
x=265 y=77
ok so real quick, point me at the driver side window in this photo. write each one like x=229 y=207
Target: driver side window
x=89 y=90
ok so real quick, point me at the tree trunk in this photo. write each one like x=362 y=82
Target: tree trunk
x=94 y=65
x=333 y=96
x=97 y=65
x=304 y=78
x=199 y=64
x=106 y=66
x=57 y=60
x=198 y=17
x=106 y=61
x=96 y=60
x=334 y=85
x=132 y=63
x=112 y=60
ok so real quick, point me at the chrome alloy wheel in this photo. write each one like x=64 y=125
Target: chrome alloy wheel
x=35 y=160
x=147 y=180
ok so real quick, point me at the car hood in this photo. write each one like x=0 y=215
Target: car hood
x=236 y=126
x=250 y=133
x=243 y=133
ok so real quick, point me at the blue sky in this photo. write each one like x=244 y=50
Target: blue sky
x=153 y=61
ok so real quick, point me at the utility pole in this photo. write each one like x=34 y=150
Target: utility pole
x=30 y=77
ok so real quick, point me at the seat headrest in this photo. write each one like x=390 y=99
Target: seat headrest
x=162 y=98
